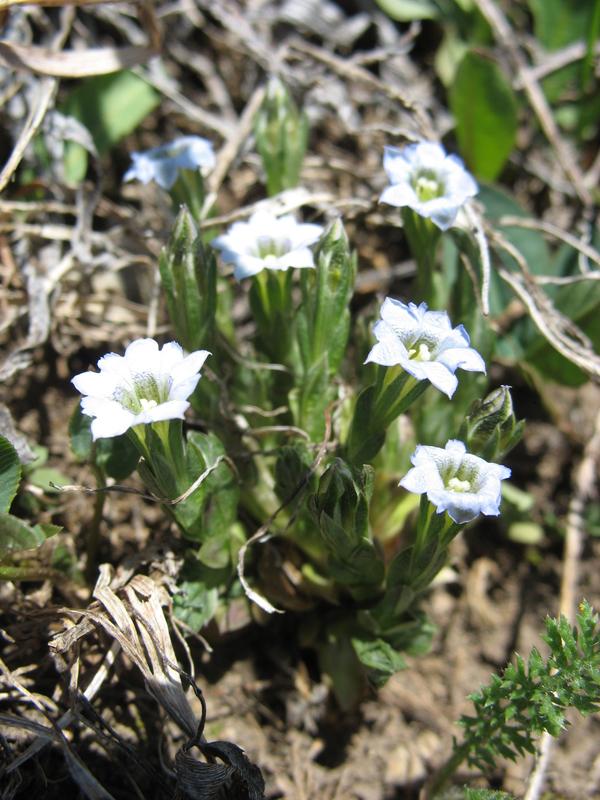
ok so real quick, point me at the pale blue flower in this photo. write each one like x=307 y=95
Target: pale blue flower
x=267 y=242
x=145 y=385
x=162 y=164
x=455 y=481
x=424 y=178
x=424 y=344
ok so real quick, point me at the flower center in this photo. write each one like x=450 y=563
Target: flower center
x=147 y=404
x=420 y=352
x=462 y=477
x=459 y=486
x=270 y=249
x=427 y=185
x=146 y=393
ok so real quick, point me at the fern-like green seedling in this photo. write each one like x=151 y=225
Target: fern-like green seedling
x=532 y=697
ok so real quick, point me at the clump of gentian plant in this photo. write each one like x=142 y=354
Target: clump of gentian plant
x=294 y=439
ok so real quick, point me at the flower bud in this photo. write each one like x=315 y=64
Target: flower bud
x=341 y=510
x=189 y=277
x=281 y=132
x=491 y=428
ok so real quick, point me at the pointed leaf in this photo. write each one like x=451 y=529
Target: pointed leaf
x=10 y=473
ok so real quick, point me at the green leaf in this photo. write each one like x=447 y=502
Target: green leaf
x=197 y=598
x=110 y=107
x=409 y=10
x=485 y=109
x=81 y=435
x=117 y=456
x=379 y=658
x=16 y=535
x=195 y=603
x=10 y=473
x=44 y=476
x=559 y=22
x=211 y=509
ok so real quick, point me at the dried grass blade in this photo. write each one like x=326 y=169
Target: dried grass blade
x=72 y=63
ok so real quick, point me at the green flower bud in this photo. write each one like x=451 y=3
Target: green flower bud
x=188 y=274
x=341 y=510
x=491 y=429
x=281 y=133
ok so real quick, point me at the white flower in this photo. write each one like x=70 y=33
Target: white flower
x=145 y=385
x=427 y=180
x=267 y=242
x=162 y=164
x=424 y=344
x=455 y=481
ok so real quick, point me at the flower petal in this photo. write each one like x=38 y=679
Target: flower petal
x=388 y=352
x=111 y=419
x=172 y=409
x=95 y=383
x=142 y=356
x=439 y=376
x=464 y=357
x=189 y=366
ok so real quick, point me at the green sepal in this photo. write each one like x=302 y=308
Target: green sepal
x=490 y=429
x=271 y=303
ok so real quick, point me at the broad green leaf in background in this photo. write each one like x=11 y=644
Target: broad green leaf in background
x=10 y=473
x=17 y=535
x=485 y=109
x=44 y=477
x=110 y=107
x=580 y=302
x=558 y=23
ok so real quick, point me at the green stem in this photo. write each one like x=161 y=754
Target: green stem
x=423 y=237
x=21 y=573
x=188 y=190
x=425 y=514
x=443 y=775
x=92 y=542
x=376 y=408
